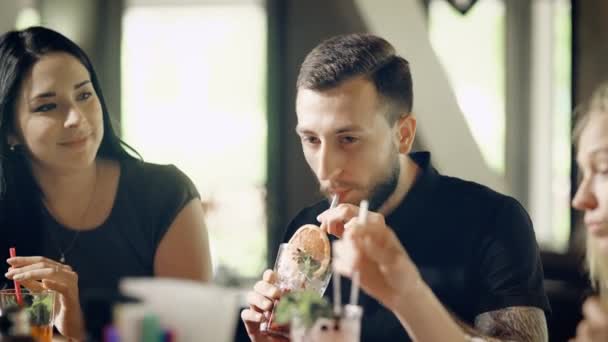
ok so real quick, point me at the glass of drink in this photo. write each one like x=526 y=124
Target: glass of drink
x=40 y=307
x=345 y=328
x=296 y=270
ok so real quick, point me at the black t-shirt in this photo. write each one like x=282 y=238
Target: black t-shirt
x=148 y=199
x=474 y=247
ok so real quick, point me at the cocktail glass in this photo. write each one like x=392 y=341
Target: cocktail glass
x=346 y=328
x=40 y=307
x=296 y=271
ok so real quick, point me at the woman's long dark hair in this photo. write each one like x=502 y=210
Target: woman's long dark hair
x=20 y=195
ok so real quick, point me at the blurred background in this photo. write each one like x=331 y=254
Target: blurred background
x=209 y=85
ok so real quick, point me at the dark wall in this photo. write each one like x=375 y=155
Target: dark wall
x=107 y=53
x=590 y=46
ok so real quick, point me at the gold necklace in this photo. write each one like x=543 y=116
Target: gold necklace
x=62 y=253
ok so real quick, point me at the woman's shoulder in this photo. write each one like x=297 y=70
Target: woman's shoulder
x=147 y=172
x=156 y=179
x=146 y=168
x=158 y=192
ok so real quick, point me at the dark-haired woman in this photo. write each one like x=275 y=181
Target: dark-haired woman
x=81 y=211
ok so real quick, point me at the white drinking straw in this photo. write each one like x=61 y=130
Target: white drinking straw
x=337 y=293
x=336 y=277
x=354 y=289
x=334 y=201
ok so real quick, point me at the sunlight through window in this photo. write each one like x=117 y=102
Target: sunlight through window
x=194 y=96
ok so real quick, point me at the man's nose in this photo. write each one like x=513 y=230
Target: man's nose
x=329 y=163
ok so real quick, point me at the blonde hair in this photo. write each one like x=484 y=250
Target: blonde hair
x=597 y=104
x=597 y=262
x=597 y=265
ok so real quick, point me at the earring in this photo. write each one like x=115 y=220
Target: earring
x=12 y=148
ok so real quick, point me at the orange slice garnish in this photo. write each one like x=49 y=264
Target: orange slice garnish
x=313 y=241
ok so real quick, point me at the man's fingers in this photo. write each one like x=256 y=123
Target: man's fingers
x=269 y=276
x=249 y=315
x=259 y=301
x=333 y=220
x=335 y=229
x=267 y=290
x=252 y=325
x=380 y=255
x=343 y=212
x=259 y=304
x=333 y=225
x=352 y=228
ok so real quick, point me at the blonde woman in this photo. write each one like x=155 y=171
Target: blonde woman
x=591 y=139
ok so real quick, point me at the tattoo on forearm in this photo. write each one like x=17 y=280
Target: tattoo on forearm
x=521 y=324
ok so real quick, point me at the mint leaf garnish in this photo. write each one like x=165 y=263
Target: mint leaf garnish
x=307 y=305
x=307 y=264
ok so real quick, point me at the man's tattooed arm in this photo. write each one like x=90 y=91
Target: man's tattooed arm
x=517 y=323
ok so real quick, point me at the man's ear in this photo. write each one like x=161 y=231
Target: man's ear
x=406 y=132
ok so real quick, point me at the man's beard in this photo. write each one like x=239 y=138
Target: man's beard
x=382 y=190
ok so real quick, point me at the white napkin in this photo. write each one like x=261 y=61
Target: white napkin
x=196 y=312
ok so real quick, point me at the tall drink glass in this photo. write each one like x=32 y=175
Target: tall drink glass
x=296 y=271
x=345 y=328
x=40 y=307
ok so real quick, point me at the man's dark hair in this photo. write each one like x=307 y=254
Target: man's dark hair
x=343 y=57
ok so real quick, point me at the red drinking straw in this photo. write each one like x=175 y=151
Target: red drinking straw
x=13 y=253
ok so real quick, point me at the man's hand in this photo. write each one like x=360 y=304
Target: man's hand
x=261 y=301
x=386 y=271
x=333 y=220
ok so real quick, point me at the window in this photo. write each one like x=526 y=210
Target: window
x=478 y=80
x=562 y=125
x=194 y=96
x=549 y=162
x=550 y=182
